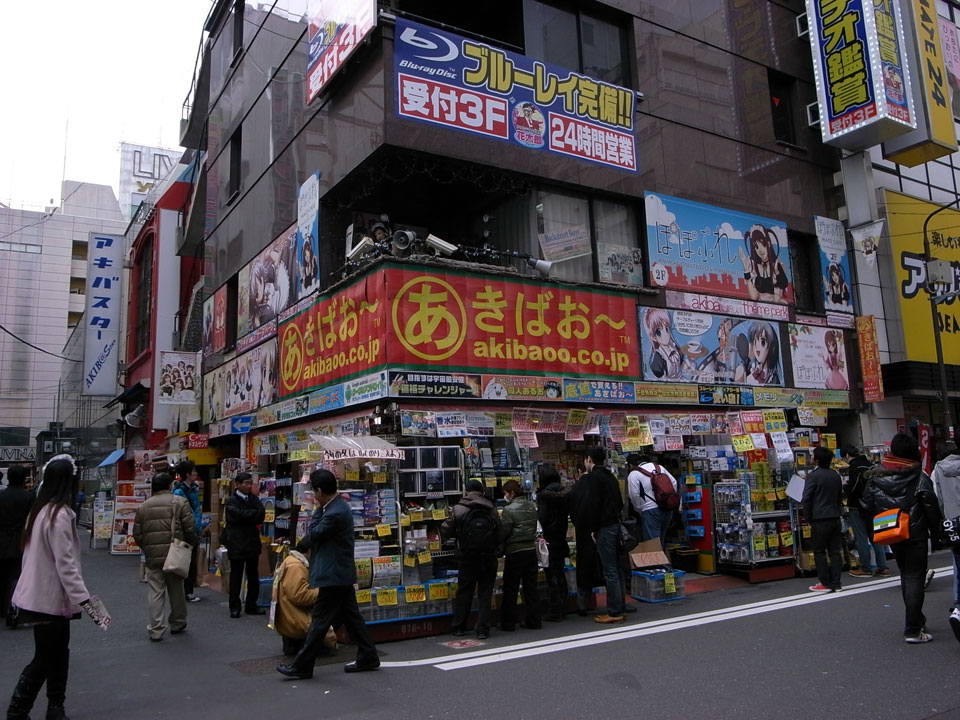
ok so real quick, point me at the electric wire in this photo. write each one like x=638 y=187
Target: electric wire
x=35 y=347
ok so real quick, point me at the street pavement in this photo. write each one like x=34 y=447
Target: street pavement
x=763 y=651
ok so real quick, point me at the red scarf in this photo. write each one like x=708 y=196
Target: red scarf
x=893 y=462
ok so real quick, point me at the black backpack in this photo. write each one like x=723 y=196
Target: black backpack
x=478 y=532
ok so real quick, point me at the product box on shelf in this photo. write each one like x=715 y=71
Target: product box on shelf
x=658 y=587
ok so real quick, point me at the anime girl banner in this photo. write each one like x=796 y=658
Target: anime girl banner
x=270 y=283
x=834 y=264
x=689 y=347
x=819 y=357
x=701 y=248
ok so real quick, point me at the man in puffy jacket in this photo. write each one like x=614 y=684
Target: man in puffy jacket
x=162 y=516
x=946 y=484
x=244 y=512
x=187 y=486
x=899 y=482
x=519 y=537
x=476 y=526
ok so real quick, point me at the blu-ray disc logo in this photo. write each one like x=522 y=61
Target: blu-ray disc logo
x=443 y=51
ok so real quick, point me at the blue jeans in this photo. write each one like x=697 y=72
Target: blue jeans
x=861 y=535
x=651 y=522
x=608 y=546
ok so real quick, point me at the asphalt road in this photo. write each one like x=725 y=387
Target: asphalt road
x=763 y=651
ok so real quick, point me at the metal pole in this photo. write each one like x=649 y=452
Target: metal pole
x=947 y=419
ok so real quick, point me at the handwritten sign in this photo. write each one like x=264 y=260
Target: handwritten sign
x=383 y=530
x=742 y=443
x=438 y=591
x=363 y=597
x=386 y=596
x=440 y=514
x=415 y=593
x=423 y=557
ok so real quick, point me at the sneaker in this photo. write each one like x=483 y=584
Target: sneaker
x=921 y=638
x=820 y=587
x=609 y=619
x=859 y=572
x=926 y=582
x=955 y=623
x=884 y=572
x=193 y=598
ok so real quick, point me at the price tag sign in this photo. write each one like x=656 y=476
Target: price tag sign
x=351 y=476
x=773 y=541
x=404 y=521
x=759 y=441
x=786 y=539
x=742 y=443
x=452 y=588
x=363 y=597
x=771 y=495
x=409 y=560
x=380 y=478
x=439 y=514
x=424 y=557
x=438 y=591
x=490 y=482
x=416 y=515
x=383 y=530
x=781 y=493
x=669 y=584
x=756 y=496
x=434 y=545
x=805 y=531
x=416 y=593
x=386 y=596
x=759 y=543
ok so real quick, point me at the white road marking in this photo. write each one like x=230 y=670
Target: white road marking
x=626 y=632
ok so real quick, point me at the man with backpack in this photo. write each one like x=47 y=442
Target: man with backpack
x=654 y=493
x=475 y=524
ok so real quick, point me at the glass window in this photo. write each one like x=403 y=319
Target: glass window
x=550 y=34
x=940 y=175
x=619 y=257
x=805 y=262
x=916 y=189
x=602 y=49
x=557 y=212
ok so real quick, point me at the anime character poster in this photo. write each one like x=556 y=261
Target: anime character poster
x=273 y=279
x=701 y=248
x=834 y=264
x=220 y=320
x=308 y=229
x=208 y=326
x=249 y=381
x=819 y=357
x=212 y=396
x=690 y=347
x=179 y=378
x=243 y=301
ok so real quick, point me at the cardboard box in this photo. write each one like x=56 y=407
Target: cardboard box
x=807 y=563
x=648 y=554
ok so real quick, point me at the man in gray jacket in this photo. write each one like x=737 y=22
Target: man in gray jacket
x=519 y=537
x=946 y=484
x=163 y=516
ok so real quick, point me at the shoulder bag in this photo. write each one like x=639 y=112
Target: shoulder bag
x=178 y=556
x=893 y=526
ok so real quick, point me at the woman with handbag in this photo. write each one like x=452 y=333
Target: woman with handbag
x=898 y=486
x=50 y=591
x=164 y=529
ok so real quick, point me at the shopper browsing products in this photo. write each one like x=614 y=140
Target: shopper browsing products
x=519 y=537
x=821 y=507
x=552 y=512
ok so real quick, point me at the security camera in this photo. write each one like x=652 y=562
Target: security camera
x=441 y=246
x=363 y=247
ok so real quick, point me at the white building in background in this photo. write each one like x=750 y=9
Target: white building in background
x=142 y=167
x=43 y=268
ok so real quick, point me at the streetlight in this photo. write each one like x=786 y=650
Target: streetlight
x=934 y=301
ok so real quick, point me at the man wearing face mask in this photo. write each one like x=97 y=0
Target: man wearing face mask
x=519 y=536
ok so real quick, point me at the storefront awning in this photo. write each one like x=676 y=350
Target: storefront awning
x=112 y=458
x=131 y=393
x=348 y=448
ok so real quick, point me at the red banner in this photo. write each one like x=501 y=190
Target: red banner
x=870 y=359
x=415 y=318
x=926 y=456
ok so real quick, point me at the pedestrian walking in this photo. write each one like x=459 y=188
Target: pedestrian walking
x=50 y=591
x=187 y=486
x=476 y=527
x=160 y=518
x=244 y=512
x=553 y=516
x=899 y=482
x=15 y=504
x=946 y=484
x=518 y=538
x=862 y=524
x=330 y=538
x=821 y=507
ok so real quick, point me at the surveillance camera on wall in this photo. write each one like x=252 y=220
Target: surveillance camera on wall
x=363 y=247
x=441 y=246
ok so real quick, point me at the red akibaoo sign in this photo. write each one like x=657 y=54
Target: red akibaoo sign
x=467 y=322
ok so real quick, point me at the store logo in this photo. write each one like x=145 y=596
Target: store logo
x=292 y=360
x=439 y=54
x=423 y=321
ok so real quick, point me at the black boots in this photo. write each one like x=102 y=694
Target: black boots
x=23 y=696
x=57 y=690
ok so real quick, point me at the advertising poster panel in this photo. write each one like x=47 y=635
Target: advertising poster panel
x=834 y=265
x=819 y=357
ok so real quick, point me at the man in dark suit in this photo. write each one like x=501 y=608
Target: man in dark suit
x=244 y=512
x=15 y=504
x=332 y=570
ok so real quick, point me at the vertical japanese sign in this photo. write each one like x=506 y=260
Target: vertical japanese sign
x=863 y=86
x=951 y=60
x=834 y=264
x=337 y=27
x=101 y=346
x=819 y=357
x=870 y=359
x=448 y=80
x=220 y=319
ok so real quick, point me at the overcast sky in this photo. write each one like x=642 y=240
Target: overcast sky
x=117 y=70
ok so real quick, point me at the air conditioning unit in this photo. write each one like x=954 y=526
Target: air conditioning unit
x=813 y=115
x=803 y=25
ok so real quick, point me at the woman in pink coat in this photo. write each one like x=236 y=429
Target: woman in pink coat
x=50 y=591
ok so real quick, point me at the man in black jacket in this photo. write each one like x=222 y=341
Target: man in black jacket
x=15 y=504
x=244 y=512
x=861 y=524
x=552 y=513
x=899 y=482
x=821 y=507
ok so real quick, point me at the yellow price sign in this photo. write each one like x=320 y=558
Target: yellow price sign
x=773 y=541
x=416 y=515
x=383 y=530
x=415 y=593
x=490 y=482
x=756 y=496
x=742 y=443
x=380 y=478
x=786 y=539
x=434 y=545
x=781 y=493
x=404 y=521
x=439 y=514
x=410 y=560
x=439 y=591
x=452 y=588
x=669 y=583
x=363 y=597
x=759 y=542
x=805 y=531
x=386 y=596
x=351 y=475
x=771 y=495
x=423 y=557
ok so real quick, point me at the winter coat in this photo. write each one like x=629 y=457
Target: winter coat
x=856 y=482
x=331 y=538
x=191 y=493
x=821 y=494
x=888 y=488
x=242 y=535
x=519 y=529
x=154 y=521
x=451 y=526
x=595 y=501
x=51 y=582
x=295 y=597
x=553 y=515
x=15 y=504
x=946 y=484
